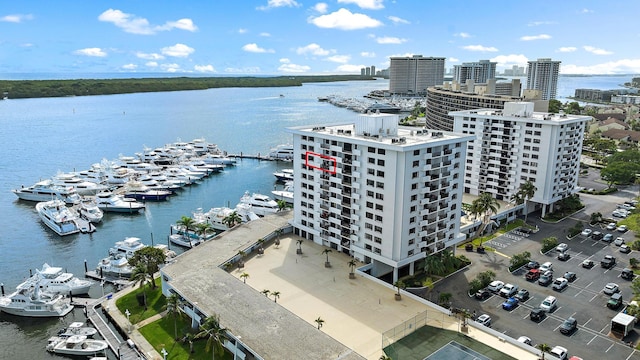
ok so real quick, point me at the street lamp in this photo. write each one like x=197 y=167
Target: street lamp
x=164 y=353
x=126 y=312
x=102 y=286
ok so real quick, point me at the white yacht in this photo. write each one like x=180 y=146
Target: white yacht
x=138 y=191
x=58 y=217
x=32 y=302
x=127 y=247
x=110 y=202
x=114 y=266
x=284 y=175
x=216 y=216
x=45 y=190
x=82 y=187
x=285 y=194
x=56 y=280
x=78 y=345
x=218 y=159
x=77 y=328
x=260 y=204
x=282 y=152
x=89 y=210
x=184 y=240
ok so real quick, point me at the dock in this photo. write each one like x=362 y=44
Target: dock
x=118 y=282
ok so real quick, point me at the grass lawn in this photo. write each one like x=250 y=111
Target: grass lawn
x=156 y=302
x=160 y=334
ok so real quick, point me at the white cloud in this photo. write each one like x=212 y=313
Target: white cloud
x=480 y=48
x=130 y=66
x=365 y=4
x=204 y=68
x=397 y=20
x=350 y=68
x=535 y=37
x=463 y=35
x=242 y=31
x=510 y=60
x=94 y=52
x=278 y=3
x=254 y=48
x=151 y=64
x=313 y=49
x=245 y=70
x=344 y=19
x=138 y=25
x=293 y=68
x=538 y=23
x=170 y=67
x=390 y=40
x=150 y=56
x=343 y=59
x=452 y=59
x=596 y=51
x=16 y=18
x=567 y=49
x=177 y=50
x=368 y=54
x=623 y=66
x=586 y=11
x=265 y=34
x=321 y=7
x=285 y=60
x=26 y=45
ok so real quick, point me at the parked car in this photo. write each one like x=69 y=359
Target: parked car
x=546 y=267
x=546 y=278
x=522 y=295
x=525 y=340
x=626 y=207
x=537 y=314
x=562 y=247
x=620 y=213
x=570 y=276
x=569 y=326
x=508 y=290
x=586 y=232
x=549 y=303
x=607 y=238
x=622 y=228
x=560 y=284
x=532 y=275
x=597 y=235
x=612 y=226
x=611 y=288
x=532 y=265
x=615 y=301
x=483 y=294
x=618 y=241
x=495 y=286
x=564 y=256
x=627 y=274
x=510 y=304
x=559 y=352
x=608 y=262
x=484 y=319
x=588 y=264
x=625 y=249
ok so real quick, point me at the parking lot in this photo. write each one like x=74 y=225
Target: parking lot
x=583 y=299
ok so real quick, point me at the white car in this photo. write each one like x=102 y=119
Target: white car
x=618 y=241
x=548 y=266
x=612 y=226
x=560 y=283
x=549 y=303
x=562 y=247
x=586 y=232
x=484 y=319
x=508 y=290
x=626 y=207
x=621 y=213
x=622 y=228
x=525 y=340
x=559 y=352
x=495 y=286
x=611 y=288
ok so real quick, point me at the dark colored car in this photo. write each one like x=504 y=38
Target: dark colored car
x=564 y=256
x=510 y=304
x=570 y=275
x=483 y=294
x=522 y=295
x=615 y=301
x=569 y=326
x=608 y=262
x=597 y=235
x=532 y=265
x=537 y=314
x=545 y=279
x=627 y=274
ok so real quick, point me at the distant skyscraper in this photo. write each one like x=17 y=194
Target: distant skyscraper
x=542 y=75
x=413 y=75
x=362 y=72
x=373 y=70
x=480 y=71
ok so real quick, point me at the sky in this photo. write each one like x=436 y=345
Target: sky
x=288 y=37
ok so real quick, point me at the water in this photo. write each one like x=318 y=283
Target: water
x=40 y=137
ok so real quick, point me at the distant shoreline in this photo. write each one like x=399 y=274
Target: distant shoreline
x=24 y=89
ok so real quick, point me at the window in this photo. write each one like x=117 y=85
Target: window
x=413 y=208
x=377 y=229
x=414 y=197
x=381 y=173
x=371 y=160
x=416 y=163
x=379 y=218
x=379 y=196
x=414 y=175
x=371 y=150
x=381 y=151
x=379 y=185
x=380 y=162
x=371 y=172
x=379 y=207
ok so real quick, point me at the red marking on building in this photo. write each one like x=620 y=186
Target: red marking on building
x=311 y=157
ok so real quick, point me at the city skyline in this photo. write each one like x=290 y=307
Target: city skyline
x=287 y=37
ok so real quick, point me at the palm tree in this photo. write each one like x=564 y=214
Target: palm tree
x=428 y=284
x=186 y=222
x=266 y=292
x=448 y=260
x=384 y=357
x=527 y=191
x=278 y=233
x=141 y=275
x=276 y=295
x=189 y=338
x=319 y=322
x=445 y=297
x=214 y=333
x=282 y=204
x=544 y=348
x=400 y=285
x=299 y=249
x=202 y=229
x=486 y=204
x=433 y=265
x=260 y=247
x=173 y=309
x=232 y=219
x=244 y=277
x=352 y=265
x=326 y=252
x=242 y=254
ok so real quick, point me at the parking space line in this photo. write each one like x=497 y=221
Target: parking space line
x=601 y=331
x=630 y=355
x=594 y=296
x=585 y=324
x=609 y=347
x=594 y=337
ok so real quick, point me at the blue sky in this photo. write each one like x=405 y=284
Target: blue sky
x=283 y=37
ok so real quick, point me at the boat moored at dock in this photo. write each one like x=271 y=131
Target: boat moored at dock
x=58 y=217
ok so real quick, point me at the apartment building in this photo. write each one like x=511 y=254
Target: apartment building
x=413 y=75
x=516 y=145
x=480 y=71
x=383 y=194
x=542 y=74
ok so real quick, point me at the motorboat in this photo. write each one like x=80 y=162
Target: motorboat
x=118 y=176
x=114 y=266
x=284 y=175
x=58 y=217
x=77 y=328
x=260 y=204
x=285 y=194
x=218 y=159
x=82 y=187
x=78 y=345
x=184 y=240
x=109 y=202
x=383 y=108
x=216 y=216
x=282 y=152
x=168 y=253
x=127 y=247
x=56 y=280
x=88 y=209
x=153 y=184
x=32 y=302
x=138 y=191
x=45 y=190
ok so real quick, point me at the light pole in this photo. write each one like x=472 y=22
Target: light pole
x=102 y=286
x=126 y=312
x=164 y=353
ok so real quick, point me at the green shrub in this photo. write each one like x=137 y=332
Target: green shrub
x=549 y=243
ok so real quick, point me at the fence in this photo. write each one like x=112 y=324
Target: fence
x=433 y=318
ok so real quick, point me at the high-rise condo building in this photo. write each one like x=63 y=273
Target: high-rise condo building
x=479 y=72
x=386 y=195
x=516 y=145
x=413 y=75
x=542 y=75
